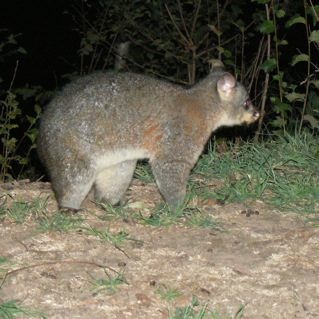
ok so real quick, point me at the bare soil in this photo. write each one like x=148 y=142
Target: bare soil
x=262 y=259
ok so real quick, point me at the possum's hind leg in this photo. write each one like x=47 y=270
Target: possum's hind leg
x=70 y=190
x=112 y=182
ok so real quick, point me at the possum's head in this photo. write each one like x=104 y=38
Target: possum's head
x=234 y=99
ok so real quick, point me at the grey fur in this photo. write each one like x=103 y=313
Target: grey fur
x=93 y=132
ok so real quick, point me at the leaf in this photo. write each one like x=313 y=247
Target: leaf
x=11 y=39
x=215 y=30
x=314 y=36
x=295 y=20
x=280 y=13
x=299 y=58
x=282 y=107
x=33 y=134
x=227 y=53
x=278 y=77
x=37 y=109
x=278 y=122
x=282 y=42
x=269 y=65
x=312 y=120
x=315 y=83
x=30 y=119
x=267 y=27
x=11 y=144
x=292 y=97
x=22 y=50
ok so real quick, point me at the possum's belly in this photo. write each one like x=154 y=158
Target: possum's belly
x=114 y=157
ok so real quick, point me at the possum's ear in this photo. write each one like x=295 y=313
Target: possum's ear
x=226 y=85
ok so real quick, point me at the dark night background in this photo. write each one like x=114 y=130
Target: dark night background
x=52 y=44
x=46 y=35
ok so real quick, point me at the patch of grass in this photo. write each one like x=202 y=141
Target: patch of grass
x=3 y=261
x=168 y=294
x=60 y=221
x=283 y=173
x=185 y=215
x=196 y=311
x=190 y=311
x=163 y=216
x=11 y=309
x=19 y=211
x=201 y=220
x=112 y=212
x=313 y=221
x=143 y=172
x=109 y=285
x=115 y=239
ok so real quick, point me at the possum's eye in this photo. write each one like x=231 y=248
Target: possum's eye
x=247 y=104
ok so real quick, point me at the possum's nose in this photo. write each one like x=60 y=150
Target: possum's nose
x=256 y=115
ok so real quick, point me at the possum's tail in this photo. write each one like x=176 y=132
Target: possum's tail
x=215 y=65
x=121 y=56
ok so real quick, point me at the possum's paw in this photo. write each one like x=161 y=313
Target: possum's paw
x=70 y=211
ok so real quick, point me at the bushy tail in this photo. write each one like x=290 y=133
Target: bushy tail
x=121 y=56
x=215 y=64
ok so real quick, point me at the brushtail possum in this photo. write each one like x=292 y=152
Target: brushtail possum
x=95 y=130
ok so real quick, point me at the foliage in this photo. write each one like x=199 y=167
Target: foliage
x=196 y=311
x=11 y=309
x=110 y=285
x=19 y=211
x=16 y=145
x=290 y=62
x=18 y=130
x=59 y=222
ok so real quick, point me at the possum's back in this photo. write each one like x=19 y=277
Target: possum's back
x=94 y=105
x=102 y=92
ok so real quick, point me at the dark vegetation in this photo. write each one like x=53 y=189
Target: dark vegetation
x=271 y=46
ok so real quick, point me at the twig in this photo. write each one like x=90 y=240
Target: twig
x=175 y=25
x=14 y=75
x=183 y=21
x=308 y=71
x=266 y=85
x=47 y=263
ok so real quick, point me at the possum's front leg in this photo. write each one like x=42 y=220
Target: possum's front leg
x=171 y=178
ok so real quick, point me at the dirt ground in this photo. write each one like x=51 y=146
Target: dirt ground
x=265 y=261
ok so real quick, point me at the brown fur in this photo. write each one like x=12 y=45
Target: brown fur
x=95 y=130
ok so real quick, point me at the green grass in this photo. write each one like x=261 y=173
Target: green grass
x=143 y=172
x=110 y=285
x=11 y=309
x=199 y=219
x=168 y=294
x=59 y=221
x=116 y=212
x=282 y=173
x=19 y=211
x=116 y=239
x=196 y=311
